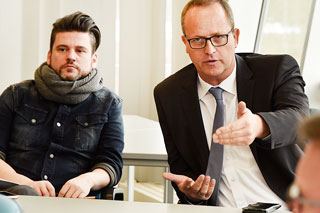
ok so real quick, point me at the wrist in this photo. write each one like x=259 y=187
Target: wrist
x=193 y=201
x=89 y=179
x=263 y=129
x=23 y=180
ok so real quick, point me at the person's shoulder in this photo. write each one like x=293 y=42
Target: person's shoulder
x=255 y=58
x=106 y=95
x=24 y=85
x=174 y=81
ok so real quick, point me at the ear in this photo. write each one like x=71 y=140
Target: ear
x=94 y=60
x=185 y=41
x=236 y=34
x=49 y=57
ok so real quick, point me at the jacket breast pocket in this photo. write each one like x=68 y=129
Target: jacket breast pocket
x=27 y=127
x=88 y=130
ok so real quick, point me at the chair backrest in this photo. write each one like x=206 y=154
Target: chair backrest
x=111 y=193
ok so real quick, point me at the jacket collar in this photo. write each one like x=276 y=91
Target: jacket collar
x=192 y=112
x=245 y=82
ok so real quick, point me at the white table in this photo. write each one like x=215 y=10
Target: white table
x=144 y=146
x=32 y=204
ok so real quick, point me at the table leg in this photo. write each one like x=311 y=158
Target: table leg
x=130 y=183
x=168 y=190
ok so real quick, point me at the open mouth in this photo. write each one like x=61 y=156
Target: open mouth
x=210 y=62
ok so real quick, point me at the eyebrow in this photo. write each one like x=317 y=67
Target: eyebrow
x=63 y=45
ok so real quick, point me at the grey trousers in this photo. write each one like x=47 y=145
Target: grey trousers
x=17 y=189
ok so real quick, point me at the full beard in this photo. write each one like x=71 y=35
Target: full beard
x=71 y=74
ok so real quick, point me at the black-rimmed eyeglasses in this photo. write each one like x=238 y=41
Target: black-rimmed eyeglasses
x=216 y=41
x=295 y=198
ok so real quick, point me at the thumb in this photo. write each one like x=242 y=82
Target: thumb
x=173 y=177
x=169 y=176
x=241 y=109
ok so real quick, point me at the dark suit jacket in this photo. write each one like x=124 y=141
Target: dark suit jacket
x=270 y=85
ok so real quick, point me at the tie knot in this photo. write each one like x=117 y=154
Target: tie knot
x=216 y=92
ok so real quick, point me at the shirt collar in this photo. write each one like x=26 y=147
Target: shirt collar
x=229 y=85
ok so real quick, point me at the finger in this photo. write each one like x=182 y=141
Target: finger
x=234 y=126
x=198 y=183
x=186 y=184
x=76 y=194
x=44 y=190
x=38 y=190
x=70 y=192
x=63 y=190
x=244 y=132
x=238 y=128
x=243 y=141
x=168 y=176
x=241 y=109
x=82 y=195
x=173 y=177
x=51 y=190
x=210 y=188
x=205 y=186
x=231 y=140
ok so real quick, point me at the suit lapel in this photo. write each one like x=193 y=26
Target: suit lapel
x=245 y=82
x=192 y=113
x=190 y=105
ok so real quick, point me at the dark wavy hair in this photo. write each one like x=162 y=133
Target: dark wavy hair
x=80 y=22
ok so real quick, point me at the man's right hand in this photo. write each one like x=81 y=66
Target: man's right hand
x=43 y=188
x=195 y=191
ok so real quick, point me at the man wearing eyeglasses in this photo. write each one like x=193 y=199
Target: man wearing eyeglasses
x=304 y=194
x=229 y=120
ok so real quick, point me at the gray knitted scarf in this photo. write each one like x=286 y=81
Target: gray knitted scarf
x=53 y=88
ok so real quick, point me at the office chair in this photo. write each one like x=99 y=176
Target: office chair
x=110 y=193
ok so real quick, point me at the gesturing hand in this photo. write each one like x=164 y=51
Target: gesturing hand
x=244 y=130
x=198 y=190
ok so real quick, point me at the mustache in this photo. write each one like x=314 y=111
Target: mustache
x=68 y=64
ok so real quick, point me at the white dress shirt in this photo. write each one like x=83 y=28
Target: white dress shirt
x=241 y=182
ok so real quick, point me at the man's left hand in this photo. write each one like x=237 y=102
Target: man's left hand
x=244 y=130
x=77 y=187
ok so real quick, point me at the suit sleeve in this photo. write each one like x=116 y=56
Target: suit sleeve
x=289 y=105
x=175 y=160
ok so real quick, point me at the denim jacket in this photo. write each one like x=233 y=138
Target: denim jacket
x=45 y=140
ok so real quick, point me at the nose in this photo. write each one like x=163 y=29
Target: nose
x=209 y=47
x=71 y=55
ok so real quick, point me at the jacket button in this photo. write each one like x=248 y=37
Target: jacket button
x=33 y=120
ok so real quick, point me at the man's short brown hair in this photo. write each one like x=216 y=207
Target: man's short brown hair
x=192 y=3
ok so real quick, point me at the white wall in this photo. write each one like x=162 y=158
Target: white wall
x=10 y=42
x=25 y=28
x=247 y=21
x=142 y=53
x=311 y=71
